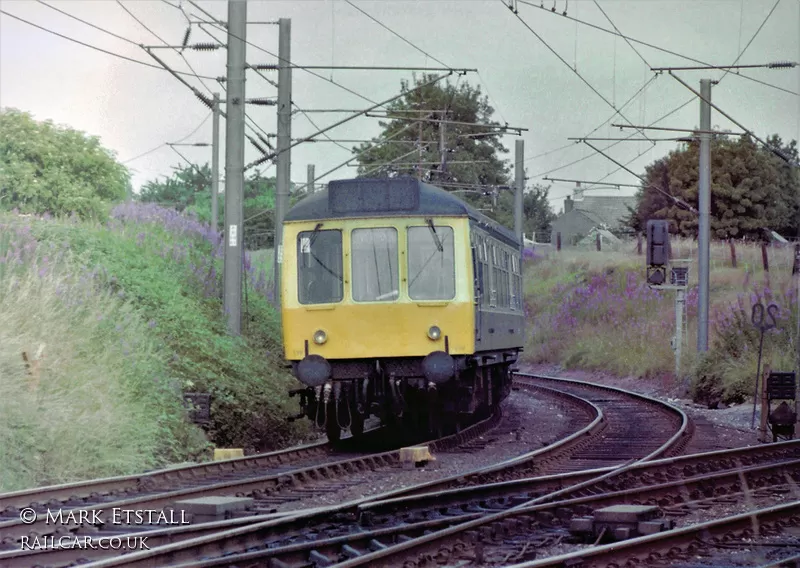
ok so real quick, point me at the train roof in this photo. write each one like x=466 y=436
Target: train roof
x=390 y=197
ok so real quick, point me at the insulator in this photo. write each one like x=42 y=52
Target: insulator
x=262 y=101
x=206 y=46
x=265 y=141
x=781 y=64
x=256 y=144
x=204 y=99
x=186 y=36
x=265 y=67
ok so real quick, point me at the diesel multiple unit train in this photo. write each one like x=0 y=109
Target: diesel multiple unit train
x=398 y=301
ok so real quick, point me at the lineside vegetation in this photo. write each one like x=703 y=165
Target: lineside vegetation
x=594 y=310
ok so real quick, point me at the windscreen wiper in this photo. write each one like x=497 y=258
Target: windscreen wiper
x=314 y=234
x=435 y=236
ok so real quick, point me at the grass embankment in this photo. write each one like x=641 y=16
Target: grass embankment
x=593 y=310
x=129 y=317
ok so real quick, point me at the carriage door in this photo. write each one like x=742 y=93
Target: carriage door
x=477 y=270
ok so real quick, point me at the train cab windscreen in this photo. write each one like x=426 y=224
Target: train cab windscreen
x=375 y=274
x=319 y=267
x=431 y=263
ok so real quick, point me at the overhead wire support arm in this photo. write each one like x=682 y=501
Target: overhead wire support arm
x=591 y=182
x=444 y=121
x=624 y=167
x=345 y=120
x=692 y=130
x=772 y=149
x=773 y=65
x=274 y=67
x=674 y=139
x=196 y=46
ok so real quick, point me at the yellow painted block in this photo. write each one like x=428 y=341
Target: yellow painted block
x=227 y=453
x=415 y=454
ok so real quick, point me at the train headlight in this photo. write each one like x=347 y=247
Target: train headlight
x=320 y=337
x=434 y=332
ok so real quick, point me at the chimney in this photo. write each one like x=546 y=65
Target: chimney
x=567 y=205
x=578 y=192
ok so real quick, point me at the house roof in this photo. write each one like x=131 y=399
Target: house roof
x=607 y=210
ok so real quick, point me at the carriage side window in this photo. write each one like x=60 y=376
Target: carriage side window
x=375 y=274
x=431 y=263
x=495 y=277
x=319 y=267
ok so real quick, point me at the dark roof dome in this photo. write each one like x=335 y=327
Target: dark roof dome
x=389 y=197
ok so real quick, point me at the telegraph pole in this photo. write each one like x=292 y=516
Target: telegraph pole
x=310 y=179
x=519 y=153
x=284 y=162
x=234 y=164
x=215 y=164
x=704 y=207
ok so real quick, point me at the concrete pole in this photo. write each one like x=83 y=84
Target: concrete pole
x=284 y=161
x=704 y=208
x=442 y=148
x=519 y=153
x=680 y=302
x=234 y=165
x=310 y=179
x=215 y=165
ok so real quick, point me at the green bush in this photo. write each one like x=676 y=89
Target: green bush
x=53 y=169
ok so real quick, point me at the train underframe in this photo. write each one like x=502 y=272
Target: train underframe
x=398 y=392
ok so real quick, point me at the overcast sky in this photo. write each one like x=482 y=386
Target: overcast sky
x=133 y=108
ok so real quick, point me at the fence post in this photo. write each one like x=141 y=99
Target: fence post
x=796 y=263
x=764 y=257
x=733 y=252
x=597 y=240
x=558 y=241
x=639 y=244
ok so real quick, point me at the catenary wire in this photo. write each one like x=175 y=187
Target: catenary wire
x=100 y=49
x=439 y=61
x=596 y=3
x=164 y=144
x=581 y=77
x=141 y=23
x=670 y=52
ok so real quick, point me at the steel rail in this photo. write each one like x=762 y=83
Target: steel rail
x=274 y=527
x=721 y=484
x=643 y=548
x=12 y=531
x=391 y=555
x=133 y=483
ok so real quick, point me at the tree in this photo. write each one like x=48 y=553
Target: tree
x=751 y=189
x=46 y=168
x=405 y=141
x=537 y=215
x=471 y=155
x=189 y=189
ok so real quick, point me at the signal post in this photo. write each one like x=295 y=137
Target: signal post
x=658 y=261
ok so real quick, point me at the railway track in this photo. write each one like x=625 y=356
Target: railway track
x=500 y=518
x=295 y=471
x=556 y=458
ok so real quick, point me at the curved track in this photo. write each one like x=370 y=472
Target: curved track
x=615 y=411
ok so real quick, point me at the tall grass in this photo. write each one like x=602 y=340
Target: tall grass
x=594 y=310
x=102 y=401
x=170 y=265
